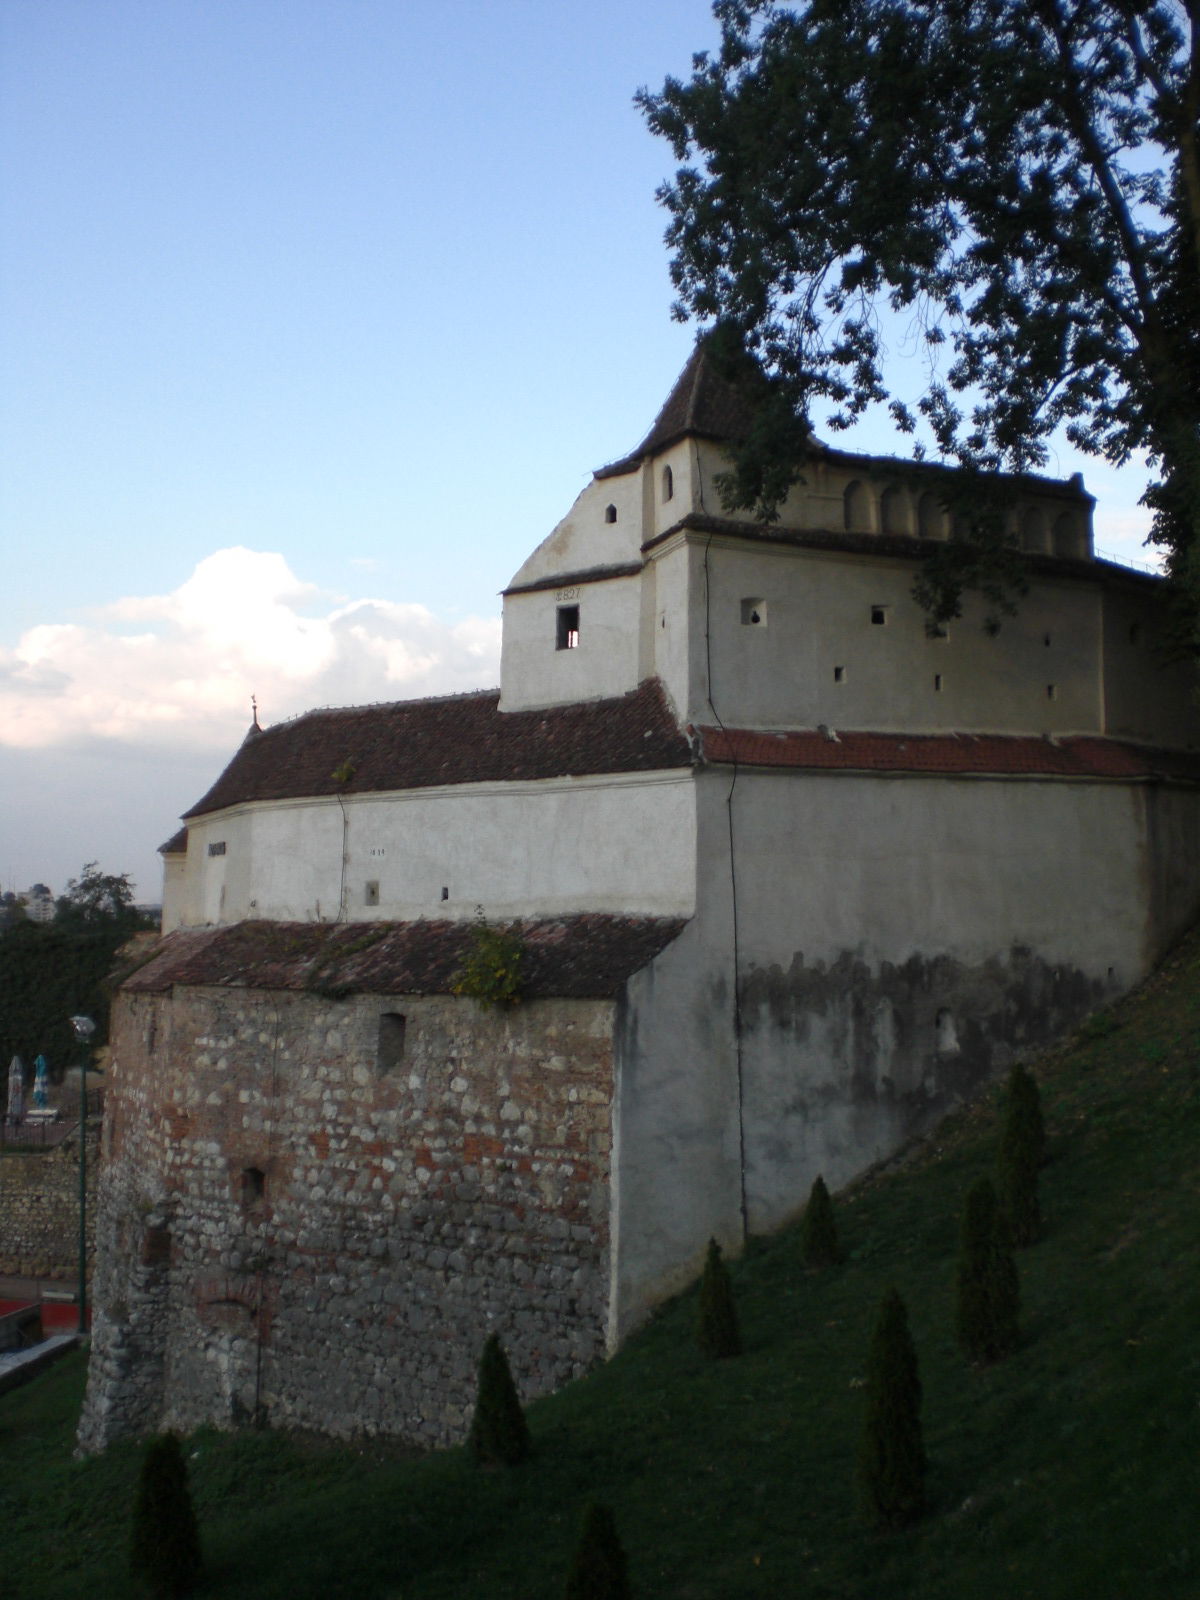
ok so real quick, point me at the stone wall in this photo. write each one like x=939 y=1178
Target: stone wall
x=313 y=1211
x=39 y=1209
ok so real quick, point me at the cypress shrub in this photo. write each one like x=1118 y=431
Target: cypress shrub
x=165 y=1546
x=1020 y=1155
x=891 y=1461
x=988 y=1291
x=818 y=1231
x=598 y=1566
x=499 y=1433
x=718 y=1329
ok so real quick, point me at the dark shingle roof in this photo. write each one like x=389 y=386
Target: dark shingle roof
x=1074 y=756
x=418 y=744
x=580 y=957
x=703 y=404
x=176 y=845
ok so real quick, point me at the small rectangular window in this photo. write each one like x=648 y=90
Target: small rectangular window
x=254 y=1186
x=392 y=1028
x=567 y=629
x=1051 y=691
x=839 y=674
x=371 y=893
x=937 y=683
x=217 y=848
x=754 y=613
x=879 y=616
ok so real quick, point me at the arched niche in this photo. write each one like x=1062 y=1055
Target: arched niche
x=856 y=508
x=893 y=510
x=1033 y=530
x=931 y=521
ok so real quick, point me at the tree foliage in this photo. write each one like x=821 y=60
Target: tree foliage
x=1020 y=1155
x=97 y=900
x=1019 y=180
x=598 y=1569
x=988 y=1290
x=499 y=1435
x=492 y=970
x=891 y=1461
x=165 y=1545
x=717 y=1326
x=818 y=1230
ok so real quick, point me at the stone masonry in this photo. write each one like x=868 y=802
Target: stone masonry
x=39 y=1209
x=313 y=1210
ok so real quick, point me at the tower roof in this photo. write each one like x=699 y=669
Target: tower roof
x=704 y=403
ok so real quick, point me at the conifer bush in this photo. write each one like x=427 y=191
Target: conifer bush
x=598 y=1569
x=988 y=1289
x=891 y=1460
x=165 y=1545
x=499 y=1435
x=718 y=1329
x=1020 y=1156
x=818 y=1231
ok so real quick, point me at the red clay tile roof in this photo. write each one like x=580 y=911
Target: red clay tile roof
x=417 y=744
x=580 y=957
x=1076 y=756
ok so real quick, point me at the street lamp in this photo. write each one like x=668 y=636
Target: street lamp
x=84 y=1029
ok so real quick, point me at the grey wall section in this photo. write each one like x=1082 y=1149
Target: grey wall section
x=900 y=941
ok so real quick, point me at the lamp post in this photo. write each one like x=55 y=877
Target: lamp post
x=84 y=1029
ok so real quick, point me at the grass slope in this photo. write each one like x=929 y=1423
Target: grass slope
x=1072 y=1469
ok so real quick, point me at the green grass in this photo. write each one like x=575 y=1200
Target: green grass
x=1072 y=1469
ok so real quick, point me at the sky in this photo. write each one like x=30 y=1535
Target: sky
x=317 y=315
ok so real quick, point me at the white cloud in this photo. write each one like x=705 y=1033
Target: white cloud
x=179 y=669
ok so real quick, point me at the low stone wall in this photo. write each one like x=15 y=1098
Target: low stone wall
x=314 y=1211
x=39 y=1209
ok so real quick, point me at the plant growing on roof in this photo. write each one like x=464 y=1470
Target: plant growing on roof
x=491 y=972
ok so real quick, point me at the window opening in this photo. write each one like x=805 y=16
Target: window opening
x=610 y=513
x=254 y=1186
x=371 y=892
x=947 y=1034
x=839 y=674
x=754 y=613
x=937 y=683
x=566 y=635
x=1046 y=640
x=393 y=1025
x=879 y=616
x=445 y=892
x=1051 y=691
x=668 y=483
x=217 y=848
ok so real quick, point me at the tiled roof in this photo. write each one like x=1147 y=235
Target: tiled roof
x=418 y=744
x=580 y=957
x=905 y=546
x=176 y=845
x=702 y=404
x=1075 y=756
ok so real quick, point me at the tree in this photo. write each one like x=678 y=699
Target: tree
x=891 y=1462
x=1020 y=1155
x=499 y=1434
x=598 y=1569
x=989 y=1294
x=818 y=1231
x=97 y=900
x=1019 y=179
x=717 y=1327
x=165 y=1545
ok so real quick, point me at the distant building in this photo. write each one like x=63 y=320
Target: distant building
x=39 y=903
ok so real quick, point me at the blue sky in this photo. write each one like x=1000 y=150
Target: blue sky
x=317 y=316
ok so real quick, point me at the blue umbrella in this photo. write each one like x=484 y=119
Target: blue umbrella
x=39 y=1083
